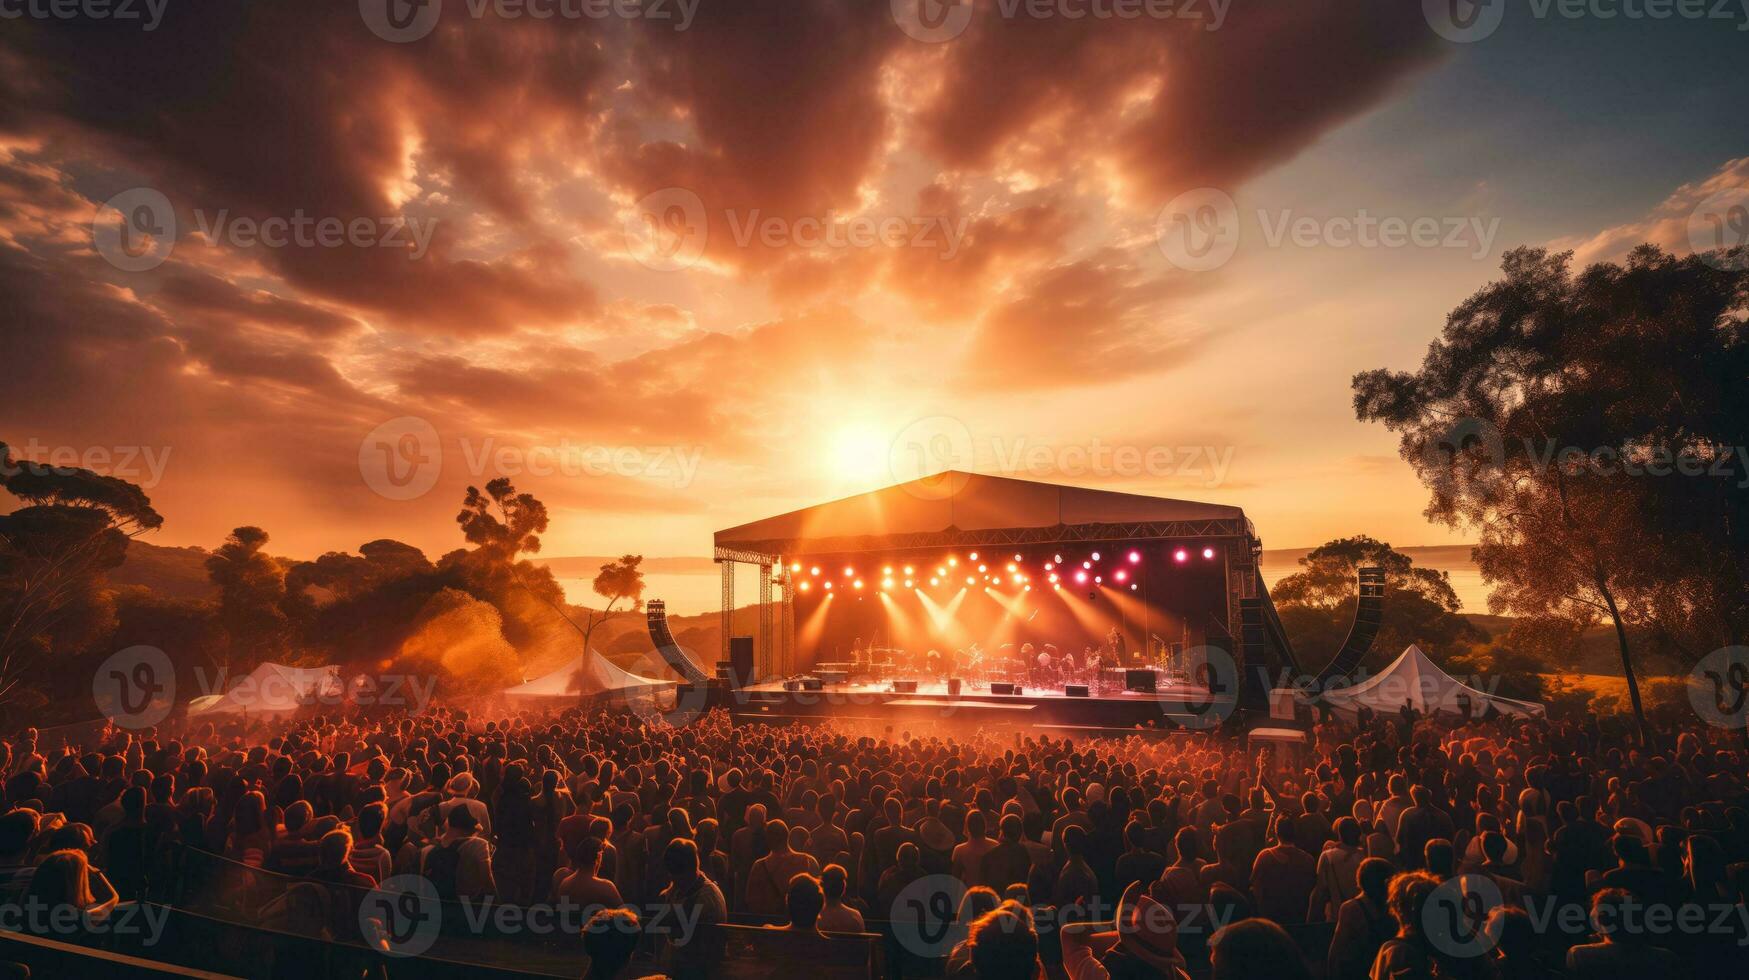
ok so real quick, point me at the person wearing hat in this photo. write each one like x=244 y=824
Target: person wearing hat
x=1141 y=943
x=460 y=792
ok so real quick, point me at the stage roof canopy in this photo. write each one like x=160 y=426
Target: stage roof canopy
x=954 y=508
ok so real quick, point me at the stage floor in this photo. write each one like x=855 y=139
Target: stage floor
x=1172 y=706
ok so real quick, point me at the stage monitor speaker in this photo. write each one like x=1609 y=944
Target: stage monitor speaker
x=1001 y=687
x=904 y=687
x=813 y=684
x=953 y=687
x=1139 y=681
x=740 y=660
x=1018 y=690
x=792 y=685
x=1076 y=690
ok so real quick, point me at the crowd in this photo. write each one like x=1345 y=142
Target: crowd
x=1508 y=848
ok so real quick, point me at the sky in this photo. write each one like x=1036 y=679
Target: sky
x=319 y=266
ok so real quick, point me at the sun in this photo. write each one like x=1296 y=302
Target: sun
x=857 y=453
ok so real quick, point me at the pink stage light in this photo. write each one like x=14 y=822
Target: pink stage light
x=1208 y=552
x=1135 y=556
x=1096 y=556
x=1181 y=556
x=1080 y=576
x=1120 y=575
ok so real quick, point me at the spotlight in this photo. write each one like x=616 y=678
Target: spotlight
x=828 y=586
x=1135 y=556
x=1016 y=580
x=1011 y=566
x=1096 y=556
x=1057 y=558
x=887 y=583
x=1208 y=552
x=974 y=556
x=951 y=560
x=1058 y=587
x=1053 y=576
x=1016 y=557
x=1098 y=580
x=804 y=586
x=971 y=581
x=1132 y=586
x=1181 y=556
x=907 y=583
x=848 y=571
x=1049 y=566
x=814 y=571
x=908 y=569
x=887 y=570
x=1086 y=564
x=796 y=567
x=935 y=581
x=857 y=584
x=1120 y=575
x=981 y=568
x=1080 y=576
x=1028 y=589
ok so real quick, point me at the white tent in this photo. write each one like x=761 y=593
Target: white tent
x=1415 y=678
x=270 y=690
x=591 y=675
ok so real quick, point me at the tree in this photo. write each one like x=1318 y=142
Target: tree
x=1587 y=427
x=251 y=596
x=1317 y=603
x=53 y=553
x=503 y=524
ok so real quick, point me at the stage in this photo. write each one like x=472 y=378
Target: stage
x=1173 y=707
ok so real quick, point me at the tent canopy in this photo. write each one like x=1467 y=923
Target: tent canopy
x=966 y=502
x=586 y=676
x=1415 y=678
x=270 y=689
